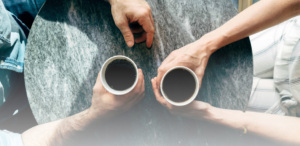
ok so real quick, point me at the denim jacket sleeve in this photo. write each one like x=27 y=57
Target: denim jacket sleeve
x=5 y=27
x=12 y=41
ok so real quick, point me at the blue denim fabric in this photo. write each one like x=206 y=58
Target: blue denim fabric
x=10 y=139
x=25 y=10
x=5 y=86
x=12 y=41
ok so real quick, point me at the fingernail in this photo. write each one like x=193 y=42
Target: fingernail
x=150 y=47
x=129 y=43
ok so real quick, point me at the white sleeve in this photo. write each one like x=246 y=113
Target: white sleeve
x=10 y=139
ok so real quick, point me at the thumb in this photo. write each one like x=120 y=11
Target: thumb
x=127 y=34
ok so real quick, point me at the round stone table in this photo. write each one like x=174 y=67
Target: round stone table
x=71 y=39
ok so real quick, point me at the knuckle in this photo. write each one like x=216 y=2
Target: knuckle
x=127 y=35
x=119 y=23
x=201 y=74
x=160 y=69
x=136 y=91
x=95 y=90
x=144 y=12
x=151 y=30
x=186 y=57
x=148 y=9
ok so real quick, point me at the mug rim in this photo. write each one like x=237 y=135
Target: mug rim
x=103 y=80
x=192 y=98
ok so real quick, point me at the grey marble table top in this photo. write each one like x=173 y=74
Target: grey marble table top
x=71 y=39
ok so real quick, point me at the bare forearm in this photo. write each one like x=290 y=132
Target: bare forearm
x=267 y=125
x=261 y=15
x=68 y=131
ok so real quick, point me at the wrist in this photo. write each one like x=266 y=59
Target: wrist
x=213 y=114
x=211 y=42
x=200 y=110
x=208 y=113
x=99 y=114
x=226 y=117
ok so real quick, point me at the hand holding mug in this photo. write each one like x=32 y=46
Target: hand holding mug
x=108 y=104
x=195 y=110
x=193 y=56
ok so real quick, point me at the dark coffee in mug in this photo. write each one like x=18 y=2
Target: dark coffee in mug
x=179 y=85
x=120 y=74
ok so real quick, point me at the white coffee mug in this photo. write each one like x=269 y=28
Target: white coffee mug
x=189 y=100
x=103 y=79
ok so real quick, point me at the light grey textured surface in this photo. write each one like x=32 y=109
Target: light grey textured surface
x=71 y=39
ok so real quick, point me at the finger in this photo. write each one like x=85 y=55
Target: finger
x=140 y=98
x=158 y=97
x=137 y=101
x=164 y=66
x=136 y=90
x=151 y=18
x=170 y=58
x=151 y=41
x=200 y=82
x=141 y=38
x=137 y=29
x=148 y=26
x=138 y=86
x=98 y=83
x=142 y=91
x=126 y=32
x=142 y=86
x=98 y=80
x=159 y=78
x=162 y=71
x=200 y=72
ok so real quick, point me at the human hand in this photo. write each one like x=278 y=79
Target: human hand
x=106 y=104
x=194 y=110
x=194 y=56
x=133 y=11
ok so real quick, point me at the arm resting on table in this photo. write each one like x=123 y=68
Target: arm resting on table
x=68 y=131
x=260 y=16
x=280 y=128
x=73 y=130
